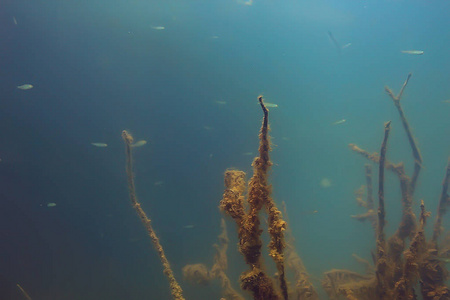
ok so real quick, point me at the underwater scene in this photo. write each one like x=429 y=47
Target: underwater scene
x=224 y=149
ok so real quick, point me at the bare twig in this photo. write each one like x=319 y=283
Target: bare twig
x=382 y=289
x=415 y=150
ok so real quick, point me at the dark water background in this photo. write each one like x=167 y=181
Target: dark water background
x=99 y=67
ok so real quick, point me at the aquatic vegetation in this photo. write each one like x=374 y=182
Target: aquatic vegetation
x=199 y=274
x=403 y=263
x=398 y=265
x=249 y=231
x=175 y=289
x=24 y=293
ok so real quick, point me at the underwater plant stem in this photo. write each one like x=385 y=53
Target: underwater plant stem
x=395 y=168
x=444 y=201
x=303 y=286
x=368 y=173
x=382 y=264
x=404 y=287
x=175 y=289
x=369 y=201
x=415 y=150
x=277 y=225
x=24 y=293
x=249 y=230
x=381 y=210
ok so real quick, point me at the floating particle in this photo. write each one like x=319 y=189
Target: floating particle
x=51 y=204
x=158 y=27
x=325 y=183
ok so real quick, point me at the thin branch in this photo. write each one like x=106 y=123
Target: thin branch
x=415 y=150
x=444 y=201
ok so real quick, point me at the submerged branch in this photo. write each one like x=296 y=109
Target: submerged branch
x=415 y=150
x=175 y=289
x=382 y=266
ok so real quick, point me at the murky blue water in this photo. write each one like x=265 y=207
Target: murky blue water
x=190 y=90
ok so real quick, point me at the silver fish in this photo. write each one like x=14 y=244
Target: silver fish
x=346 y=45
x=139 y=143
x=100 y=145
x=271 y=105
x=413 y=52
x=340 y=122
x=25 y=86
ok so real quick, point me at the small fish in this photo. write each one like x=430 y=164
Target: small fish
x=25 y=86
x=444 y=259
x=14 y=20
x=100 y=145
x=340 y=122
x=51 y=204
x=159 y=183
x=215 y=37
x=139 y=143
x=221 y=102
x=158 y=27
x=413 y=52
x=446 y=101
x=188 y=226
x=209 y=128
x=247 y=153
x=346 y=45
x=271 y=105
